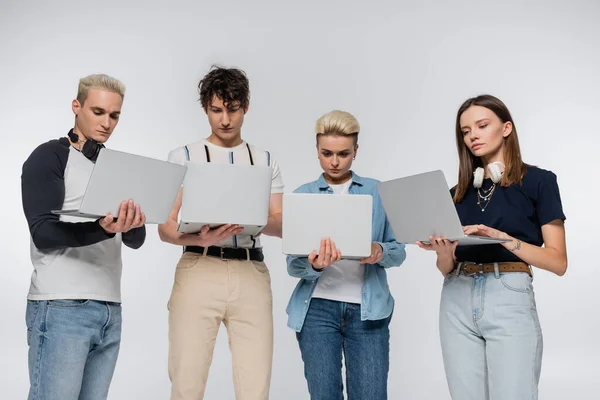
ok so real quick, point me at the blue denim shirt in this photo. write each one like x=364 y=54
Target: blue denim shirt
x=377 y=301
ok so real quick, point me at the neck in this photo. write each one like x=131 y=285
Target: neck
x=233 y=142
x=80 y=142
x=337 y=181
x=487 y=160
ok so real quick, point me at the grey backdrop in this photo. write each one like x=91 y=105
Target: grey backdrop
x=402 y=67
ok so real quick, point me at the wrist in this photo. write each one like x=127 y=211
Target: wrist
x=514 y=245
x=446 y=258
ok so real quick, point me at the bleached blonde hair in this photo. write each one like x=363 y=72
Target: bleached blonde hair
x=99 y=81
x=338 y=123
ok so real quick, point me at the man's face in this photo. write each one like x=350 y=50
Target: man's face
x=225 y=120
x=99 y=114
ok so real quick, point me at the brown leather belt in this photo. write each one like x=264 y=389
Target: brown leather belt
x=472 y=268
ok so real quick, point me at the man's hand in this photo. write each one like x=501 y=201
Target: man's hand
x=130 y=217
x=209 y=237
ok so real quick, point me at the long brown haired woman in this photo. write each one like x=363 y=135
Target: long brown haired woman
x=490 y=332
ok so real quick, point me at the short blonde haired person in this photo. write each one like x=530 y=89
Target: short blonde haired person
x=345 y=303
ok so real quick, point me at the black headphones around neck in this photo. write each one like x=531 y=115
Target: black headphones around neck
x=90 y=148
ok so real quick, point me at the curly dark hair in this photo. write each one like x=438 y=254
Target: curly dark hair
x=229 y=84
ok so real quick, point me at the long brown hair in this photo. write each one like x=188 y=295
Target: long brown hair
x=515 y=167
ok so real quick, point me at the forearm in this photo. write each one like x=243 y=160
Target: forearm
x=445 y=263
x=299 y=267
x=394 y=254
x=51 y=234
x=273 y=227
x=546 y=258
x=168 y=233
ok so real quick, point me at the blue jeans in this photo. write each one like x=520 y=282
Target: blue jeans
x=332 y=328
x=73 y=348
x=491 y=336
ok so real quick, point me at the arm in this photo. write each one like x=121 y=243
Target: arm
x=273 y=227
x=444 y=250
x=552 y=257
x=299 y=267
x=394 y=253
x=134 y=238
x=386 y=252
x=43 y=190
x=312 y=267
x=206 y=237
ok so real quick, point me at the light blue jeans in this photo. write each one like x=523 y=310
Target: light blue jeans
x=73 y=348
x=491 y=336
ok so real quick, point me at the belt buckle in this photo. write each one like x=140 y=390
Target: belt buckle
x=480 y=265
x=223 y=254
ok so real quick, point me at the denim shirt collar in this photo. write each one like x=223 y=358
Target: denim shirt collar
x=323 y=185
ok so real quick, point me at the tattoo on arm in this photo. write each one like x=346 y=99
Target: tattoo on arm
x=517 y=246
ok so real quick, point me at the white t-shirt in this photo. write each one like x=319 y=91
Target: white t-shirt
x=343 y=280
x=245 y=154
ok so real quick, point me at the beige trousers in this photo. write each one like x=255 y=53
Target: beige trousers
x=206 y=292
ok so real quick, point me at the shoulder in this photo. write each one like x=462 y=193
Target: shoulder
x=309 y=187
x=265 y=156
x=177 y=155
x=369 y=182
x=181 y=154
x=53 y=153
x=369 y=185
x=534 y=176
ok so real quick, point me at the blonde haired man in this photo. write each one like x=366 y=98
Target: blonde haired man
x=73 y=308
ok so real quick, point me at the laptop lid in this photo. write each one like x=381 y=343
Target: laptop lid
x=309 y=217
x=118 y=176
x=420 y=206
x=217 y=194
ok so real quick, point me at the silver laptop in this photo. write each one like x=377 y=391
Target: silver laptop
x=346 y=219
x=420 y=206
x=217 y=194
x=118 y=176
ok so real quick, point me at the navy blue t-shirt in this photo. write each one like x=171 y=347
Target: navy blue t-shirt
x=520 y=210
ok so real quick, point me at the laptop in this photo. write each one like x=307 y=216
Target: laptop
x=420 y=206
x=309 y=217
x=216 y=194
x=118 y=176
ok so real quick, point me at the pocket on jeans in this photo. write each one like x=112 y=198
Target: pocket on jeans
x=516 y=281
x=30 y=316
x=68 y=303
x=449 y=278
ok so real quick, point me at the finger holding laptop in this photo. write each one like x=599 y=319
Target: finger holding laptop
x=440 y=245
x=210 y=237
x=328 y=254
x=376 y=254
x=130 y=217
